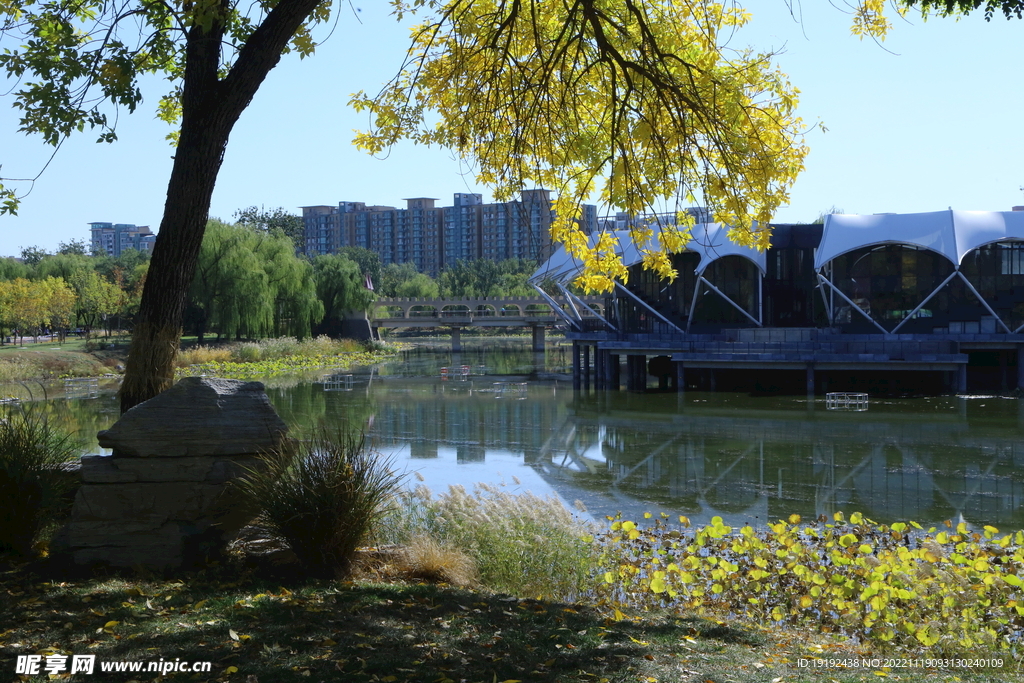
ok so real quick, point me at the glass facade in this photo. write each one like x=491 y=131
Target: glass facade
x=886 y=287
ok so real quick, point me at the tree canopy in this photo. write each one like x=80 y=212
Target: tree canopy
x=339 y=287
x=1009 y=8
x=269 y=220
x=249 y=283
x=638 y=101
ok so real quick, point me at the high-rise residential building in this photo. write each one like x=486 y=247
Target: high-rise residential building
x=115 y=238
x=432 y=237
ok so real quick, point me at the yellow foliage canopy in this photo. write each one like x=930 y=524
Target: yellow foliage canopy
x=642 y=103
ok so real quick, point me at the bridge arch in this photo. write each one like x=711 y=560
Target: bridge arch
x=453 y=310
x=390 y=310
x=422 y=311
x=512 y=309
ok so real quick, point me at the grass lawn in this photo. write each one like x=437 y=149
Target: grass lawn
x=260 y=630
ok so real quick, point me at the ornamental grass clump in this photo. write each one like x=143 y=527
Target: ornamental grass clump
x=897 y=586
x=521 y=543
x=35 y=478
x=321 y=498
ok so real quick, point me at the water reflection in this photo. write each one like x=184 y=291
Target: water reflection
x=749 y=459
x=746 y=458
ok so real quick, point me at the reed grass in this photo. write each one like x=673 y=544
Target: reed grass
x=522 y=544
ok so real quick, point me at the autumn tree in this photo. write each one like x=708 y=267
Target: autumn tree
x=97 y=299
x=31 y=305
x=59 y=304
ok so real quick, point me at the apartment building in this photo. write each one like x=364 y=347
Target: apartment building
x=115 y=238
x=432 y=237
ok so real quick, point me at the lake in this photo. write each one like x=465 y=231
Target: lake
x=503 y=414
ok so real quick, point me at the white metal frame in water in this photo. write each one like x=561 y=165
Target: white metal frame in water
x=846 y=400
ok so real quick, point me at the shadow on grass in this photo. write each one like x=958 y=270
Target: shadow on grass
x=260 y=631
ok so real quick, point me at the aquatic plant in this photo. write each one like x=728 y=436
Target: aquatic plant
x=952 y=591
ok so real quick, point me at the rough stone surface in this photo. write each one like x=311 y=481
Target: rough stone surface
x=163 y=501
x=198 y=416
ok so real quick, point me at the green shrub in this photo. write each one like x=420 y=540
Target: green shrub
x=522 y=544
x=321 y=497
x=34 y=478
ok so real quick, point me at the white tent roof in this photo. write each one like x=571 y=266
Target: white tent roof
x=710 y=240
x=951 y=233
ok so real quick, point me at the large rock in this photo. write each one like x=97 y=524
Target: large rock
x=198 y=416
x=163 y=500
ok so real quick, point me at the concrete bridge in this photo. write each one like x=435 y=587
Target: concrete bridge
x=536 y=312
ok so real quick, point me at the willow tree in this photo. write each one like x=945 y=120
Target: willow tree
x=339 y=289
x=249 y=283
x=640 y=100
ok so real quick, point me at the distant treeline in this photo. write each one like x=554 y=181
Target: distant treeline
x=249 y=283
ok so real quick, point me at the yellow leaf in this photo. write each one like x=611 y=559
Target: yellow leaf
x=231 y=670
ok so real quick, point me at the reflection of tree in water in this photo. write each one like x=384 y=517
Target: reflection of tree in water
x=82 y=417
x=748 y=459
x=483 y=355
x=307 y=406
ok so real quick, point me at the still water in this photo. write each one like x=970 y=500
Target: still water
x=513 y=418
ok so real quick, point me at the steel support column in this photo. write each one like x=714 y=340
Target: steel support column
x=576 y=369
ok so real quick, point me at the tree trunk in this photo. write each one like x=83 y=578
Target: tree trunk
x=150 y=367
x=210 y=108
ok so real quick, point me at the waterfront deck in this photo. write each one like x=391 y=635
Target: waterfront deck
x=828 y=359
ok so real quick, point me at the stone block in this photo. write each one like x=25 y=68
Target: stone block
x=164 y=499
x=105 y=469
x=198 y=416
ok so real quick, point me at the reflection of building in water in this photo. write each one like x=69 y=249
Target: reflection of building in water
x=633 y=454
x=754 y=468
x=468 y=416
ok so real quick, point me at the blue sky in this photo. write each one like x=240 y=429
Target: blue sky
x=928 y=120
